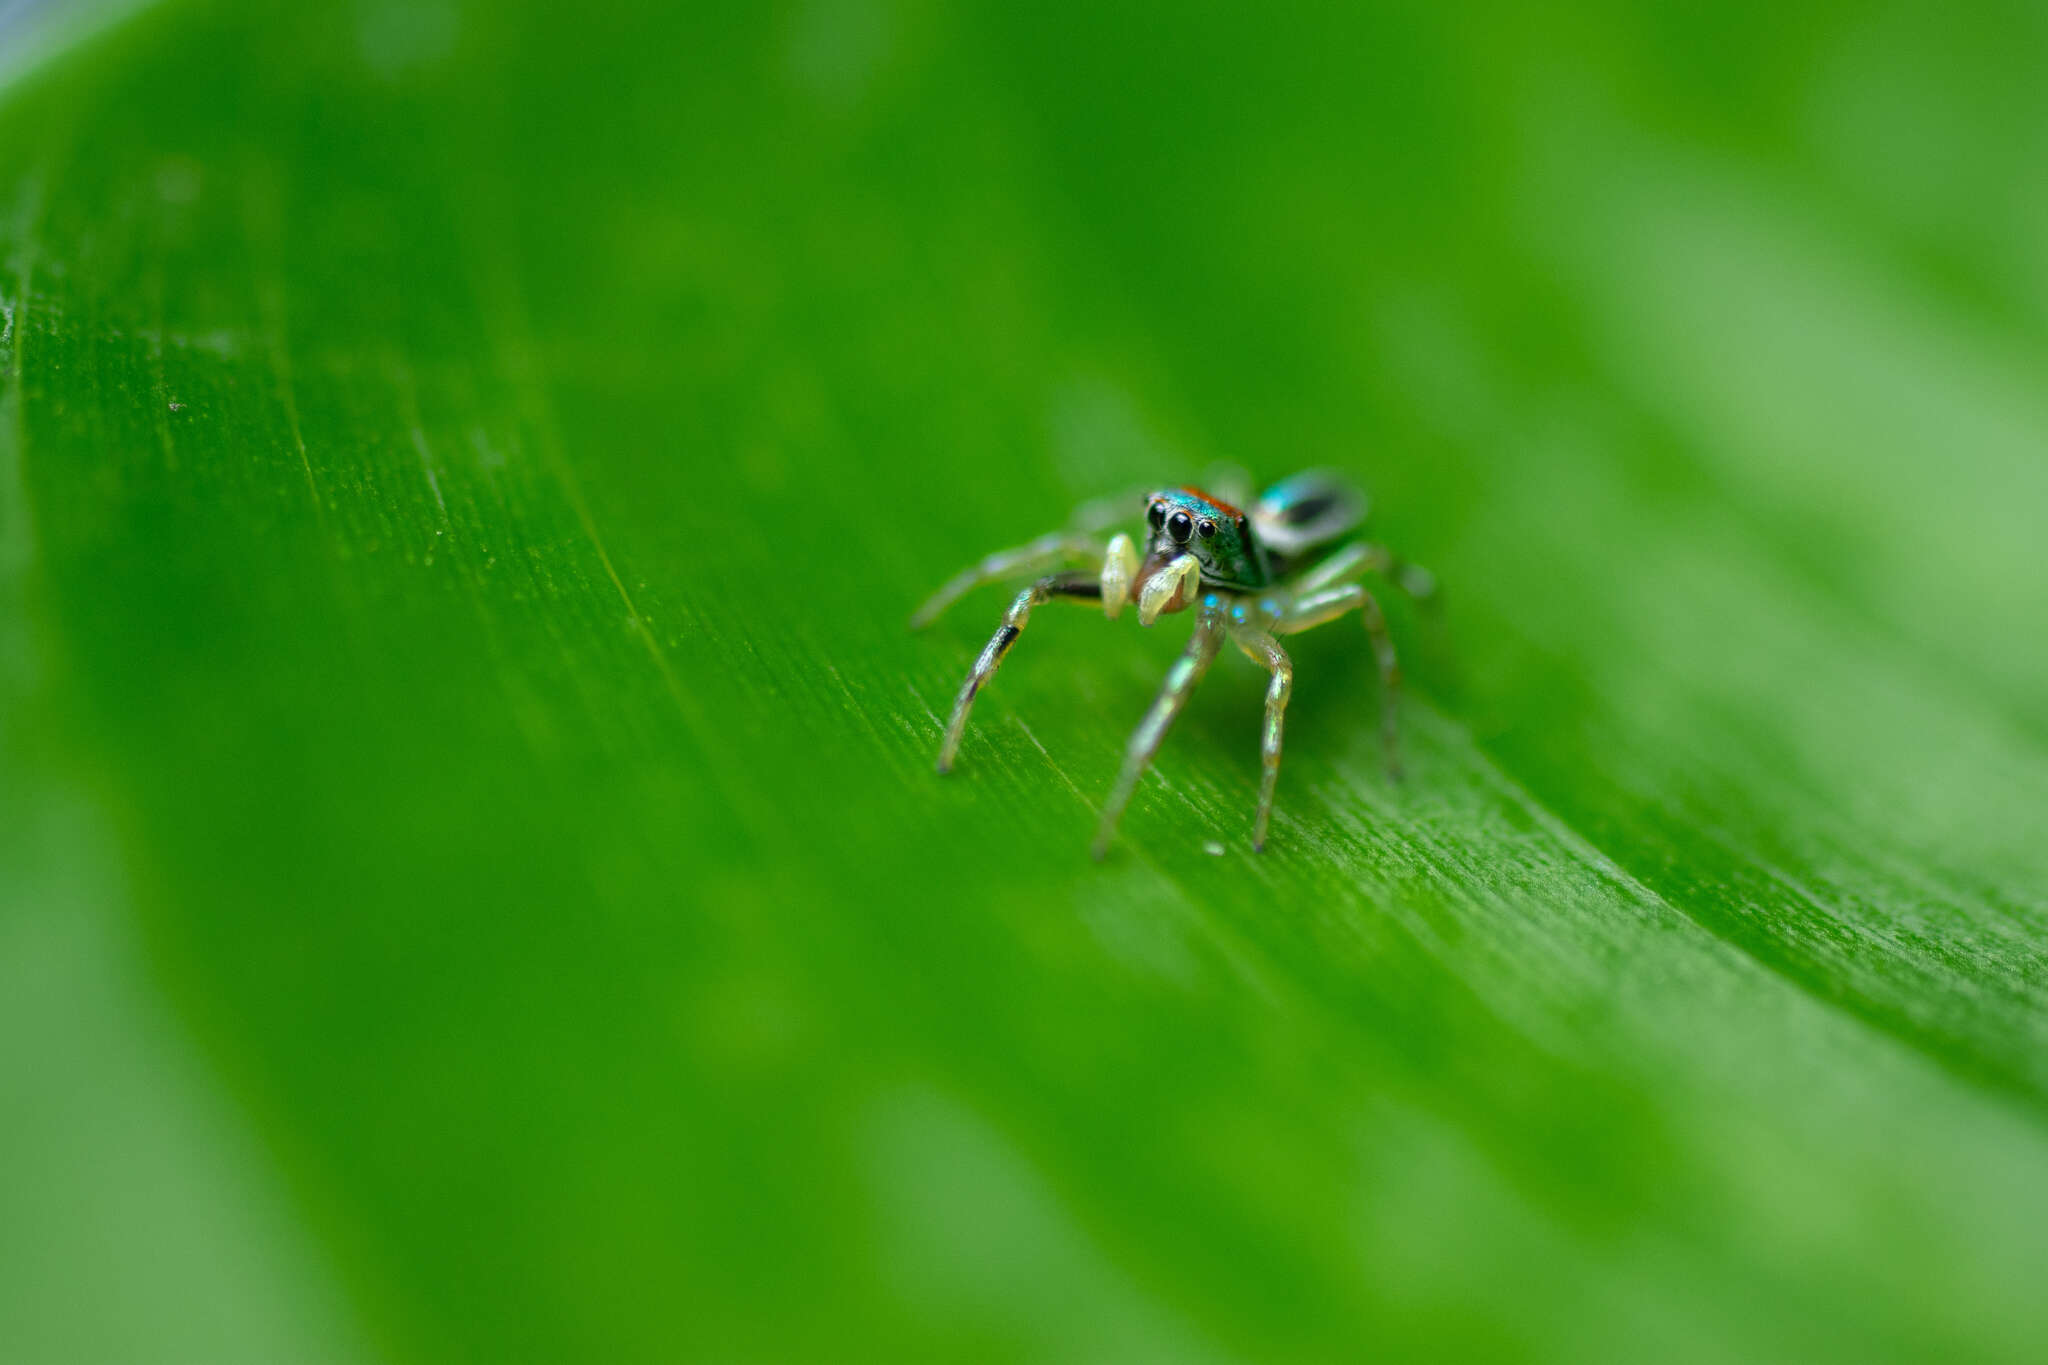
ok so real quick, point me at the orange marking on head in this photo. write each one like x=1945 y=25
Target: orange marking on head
x=1214 y=501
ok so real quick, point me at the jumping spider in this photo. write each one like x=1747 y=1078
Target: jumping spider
x=1282 y=568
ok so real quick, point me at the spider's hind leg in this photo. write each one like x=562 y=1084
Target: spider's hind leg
x=1313 y=608
x=1082 y=587
x=1361 y=557
x=1419 y=583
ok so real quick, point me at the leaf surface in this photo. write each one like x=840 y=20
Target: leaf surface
x=467 y=472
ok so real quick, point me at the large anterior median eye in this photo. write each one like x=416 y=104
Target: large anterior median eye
x=1180 y=526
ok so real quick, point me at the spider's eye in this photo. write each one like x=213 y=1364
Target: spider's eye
x=1156 y=514
x=1180 y=526
x=1206 y=529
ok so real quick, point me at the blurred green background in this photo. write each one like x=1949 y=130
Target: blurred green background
x=472 y=885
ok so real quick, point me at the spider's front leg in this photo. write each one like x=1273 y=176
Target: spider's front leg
x=1118 y=559
x=1173 y=697
x=1267 y=653
x=1037 y=557
x=1075 y=586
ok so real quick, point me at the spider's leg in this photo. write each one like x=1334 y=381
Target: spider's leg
x=1047 y=552
x=1346 y=562
x=1100 y=514
x=1314 y=608
x=1366 y=557
x=1072 y=585
x=1266 y=651
x=1418 y=582
x=1173 y=696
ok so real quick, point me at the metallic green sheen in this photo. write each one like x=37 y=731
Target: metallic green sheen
x=1231 y=558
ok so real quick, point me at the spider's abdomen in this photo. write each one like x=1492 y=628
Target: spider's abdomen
x=1306 y=513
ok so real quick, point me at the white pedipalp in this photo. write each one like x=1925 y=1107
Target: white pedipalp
x=1119 y=567
x=1176 y=582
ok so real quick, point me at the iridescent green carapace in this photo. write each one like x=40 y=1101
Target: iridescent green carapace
x=1287 y=565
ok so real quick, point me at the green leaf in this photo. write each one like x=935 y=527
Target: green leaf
x=474 y=883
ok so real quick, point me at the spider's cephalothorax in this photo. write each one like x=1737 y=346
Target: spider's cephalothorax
x=1283 y=567
x=1221 y=538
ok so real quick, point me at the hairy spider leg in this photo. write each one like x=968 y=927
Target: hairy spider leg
x=1265 y=651
x=1047 y=552
x=1068 y=585
x=1314 y=608
x=1173 y=697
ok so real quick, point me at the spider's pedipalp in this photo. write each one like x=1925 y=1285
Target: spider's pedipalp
x=1119 y=569
x=1176 y=582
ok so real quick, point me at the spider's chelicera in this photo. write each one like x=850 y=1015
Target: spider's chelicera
x=1250 y=577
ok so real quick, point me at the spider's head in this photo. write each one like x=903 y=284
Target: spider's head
x=1194 y=541
x=1187 y=521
